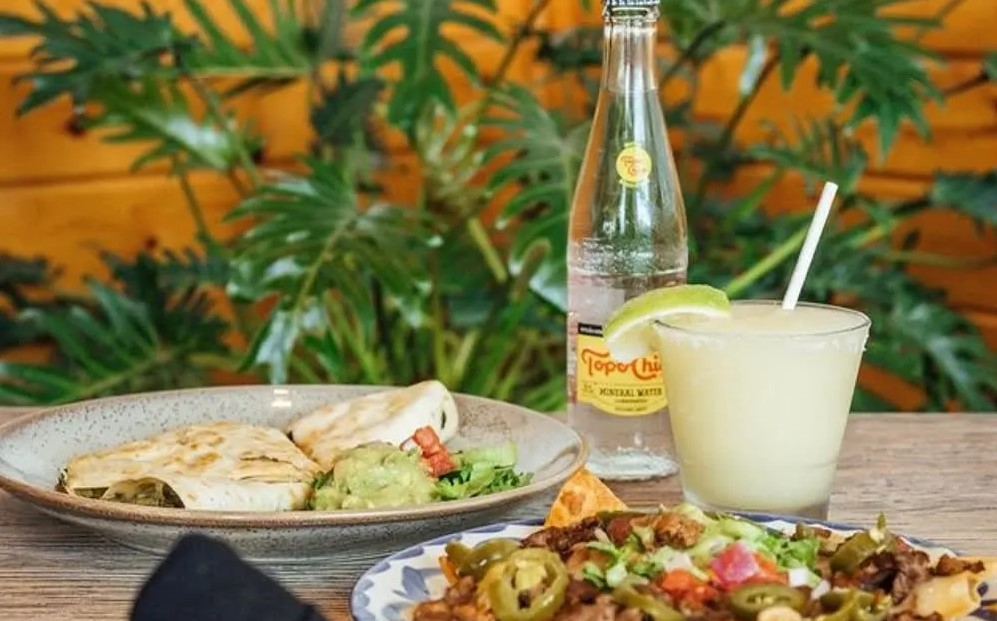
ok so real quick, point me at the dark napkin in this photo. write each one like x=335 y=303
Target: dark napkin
x=203 y=579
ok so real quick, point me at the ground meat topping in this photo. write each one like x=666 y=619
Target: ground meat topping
x=677 y=531
x=563 y=539
x=458 y=604
x=913 y=568
x=896 y=573
x=950 y=566
x=670 y=529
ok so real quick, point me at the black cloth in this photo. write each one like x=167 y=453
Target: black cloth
x=203 y=579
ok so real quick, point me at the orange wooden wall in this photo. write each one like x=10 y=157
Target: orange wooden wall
x=63 y=195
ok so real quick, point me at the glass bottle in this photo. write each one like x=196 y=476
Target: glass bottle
x=627 y=235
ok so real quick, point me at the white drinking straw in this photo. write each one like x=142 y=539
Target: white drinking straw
x=809 y=246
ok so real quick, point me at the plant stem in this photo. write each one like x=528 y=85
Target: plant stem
x=978 y=80
x=688 y=53
x=882 y=230
x=237 y=183
x=505 y=63
x=727 y=137
x=942 y=13
x=212 y=246
x=937 y=260
x=491 y=254
x=215 y=112
x=442 y=371
x=771 y=261
x=194 y=205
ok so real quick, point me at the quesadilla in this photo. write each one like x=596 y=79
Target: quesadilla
x=390 y=416
x=219 y=467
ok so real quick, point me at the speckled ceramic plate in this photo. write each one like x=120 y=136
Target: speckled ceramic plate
x=35 y=447
x=390 y=589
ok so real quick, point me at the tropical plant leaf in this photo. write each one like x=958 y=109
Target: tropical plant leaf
x=344 y=116
x=546 y=157
x=860 y=57
x=574 y=49
x=19 y=279
x=158 y=113
x=821 y=150
x=974 y=194
x=451 y=158
x=122 y=344
x=153 y=278
x=411 y=33
x=325 y=31
x=277 y=55
x=914 y=334
x=311 y=236
x=100 y=43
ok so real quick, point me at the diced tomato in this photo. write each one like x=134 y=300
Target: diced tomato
x=427 y=440
x=735 y=565
x=439 y=463
x=685 y=588
x=434 y=454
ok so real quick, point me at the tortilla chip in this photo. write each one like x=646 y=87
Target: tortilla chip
x=582 y=496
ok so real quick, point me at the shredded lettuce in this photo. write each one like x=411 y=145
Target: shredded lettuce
x=480 y=471
x=592 y=573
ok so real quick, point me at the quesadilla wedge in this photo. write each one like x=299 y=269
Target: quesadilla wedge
x=220 y=466
x=390 y=416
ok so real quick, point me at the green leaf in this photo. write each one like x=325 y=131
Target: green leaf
x=410 y=33
x=158 y=113
x=574 y=49
x=310 y=236
x=974 y=194
x=124 y=343
x=277 y=55
x=346 y=111
x=990 y=66
x=546 y=157
x=860 y=57
x=859 y=54
x=821 y=150
x=914 y=335
x=101 y=43
x=20 y=281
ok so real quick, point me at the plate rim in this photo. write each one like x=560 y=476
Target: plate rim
x=406 y=553
x=244 y=520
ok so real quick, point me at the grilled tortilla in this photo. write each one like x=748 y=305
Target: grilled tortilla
x=582 y=496
x=218 y=467
x=390 y=416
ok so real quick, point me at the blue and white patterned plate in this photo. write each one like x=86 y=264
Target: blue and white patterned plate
x=390 y=589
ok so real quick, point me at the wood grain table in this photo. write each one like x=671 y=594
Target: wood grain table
x=934 y=475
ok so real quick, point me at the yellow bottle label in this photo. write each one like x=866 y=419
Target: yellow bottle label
x=633 y=165
x=621 y=389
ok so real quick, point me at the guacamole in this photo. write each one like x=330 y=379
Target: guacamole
x=374 y=475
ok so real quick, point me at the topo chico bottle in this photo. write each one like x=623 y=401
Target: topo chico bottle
x=627 y=234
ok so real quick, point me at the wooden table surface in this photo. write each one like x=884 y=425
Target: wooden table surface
x=934 y=476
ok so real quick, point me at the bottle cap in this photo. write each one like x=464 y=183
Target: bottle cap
x=630 y=4
x=609 y=5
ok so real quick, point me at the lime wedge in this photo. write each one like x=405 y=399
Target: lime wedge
x=628 y=332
